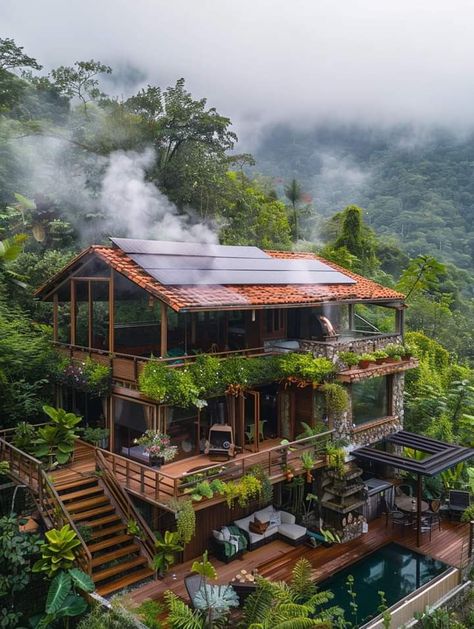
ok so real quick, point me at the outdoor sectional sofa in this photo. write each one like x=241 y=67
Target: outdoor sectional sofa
x=281 y=525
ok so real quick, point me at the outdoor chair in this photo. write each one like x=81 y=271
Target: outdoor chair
x=404 y=489
x=220 y=445
x=428 y=522
x=398 y=518
x=435 y=513
x=192 y=583
x=458 y=502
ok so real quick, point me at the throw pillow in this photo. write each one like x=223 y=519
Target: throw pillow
x=258 y=527
x=275 y=518
x=218 y=535
x=225 y=533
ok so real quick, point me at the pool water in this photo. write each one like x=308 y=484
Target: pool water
x=393 y=569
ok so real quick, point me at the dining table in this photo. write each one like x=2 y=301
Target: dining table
x=407 y=504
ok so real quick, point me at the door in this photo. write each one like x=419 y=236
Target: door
x=251 y=417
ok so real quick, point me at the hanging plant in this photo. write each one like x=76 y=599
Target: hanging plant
x=185 y=520
x=306 y=368
x=88 y=376
x=336 y=397
x=169 y=385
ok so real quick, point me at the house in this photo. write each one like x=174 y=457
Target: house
x=139 y=301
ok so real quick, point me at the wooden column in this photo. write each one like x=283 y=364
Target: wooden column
x=73 y=313
x=401 y=321
x=419 y=485
x=111 y=311
x=351 y=316
x=164 y=330
x=55 y=317
x=90 y=320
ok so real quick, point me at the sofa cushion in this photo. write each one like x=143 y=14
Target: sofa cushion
x=287 y=518
x=243 y=523
x=271 y=530
x=264 y=514
x=292 y=531
x=218 y=535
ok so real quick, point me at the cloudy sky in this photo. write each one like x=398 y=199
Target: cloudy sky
x=262 y=61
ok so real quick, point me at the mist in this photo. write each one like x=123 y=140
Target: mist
x=270 y=61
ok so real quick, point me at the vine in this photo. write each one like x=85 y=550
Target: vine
x=88 y=376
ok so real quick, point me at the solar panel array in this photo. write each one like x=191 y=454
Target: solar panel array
x=187 y=263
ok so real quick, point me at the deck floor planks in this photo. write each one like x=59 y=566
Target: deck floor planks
x=277 y=559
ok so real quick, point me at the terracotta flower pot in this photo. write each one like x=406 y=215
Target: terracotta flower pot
x=364 y=364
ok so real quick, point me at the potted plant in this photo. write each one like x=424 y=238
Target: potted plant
x=394 y=351
x=308 y=462
x=289 y=472
x=407 y=351
x=350 y=359
x=97 y=436
x=158 y=447
x=134 y=529
x=366 y=360
x=380 y=356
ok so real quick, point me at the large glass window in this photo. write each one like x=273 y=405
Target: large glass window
x=181 y=426
x=370 y=399
x=131 y=419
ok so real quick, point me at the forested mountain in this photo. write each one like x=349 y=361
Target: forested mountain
x=417 y=185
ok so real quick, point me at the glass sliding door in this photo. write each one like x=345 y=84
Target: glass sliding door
x=251 y=420
x=130 y=420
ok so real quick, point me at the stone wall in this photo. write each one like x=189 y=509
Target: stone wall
x=364 y=434
x=364 y=345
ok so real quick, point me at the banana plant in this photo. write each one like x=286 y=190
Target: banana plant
x=57 y=553
x=64 y=598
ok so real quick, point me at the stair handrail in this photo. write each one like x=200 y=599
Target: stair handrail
x=47 y=498
x=59 y=516
x=125 y=504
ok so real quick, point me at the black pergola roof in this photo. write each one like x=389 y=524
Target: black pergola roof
x=440 y=455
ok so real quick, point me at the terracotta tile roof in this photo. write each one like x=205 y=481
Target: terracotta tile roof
x=185 y=297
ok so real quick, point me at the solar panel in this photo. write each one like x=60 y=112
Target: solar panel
x=151 y=261
x=163 y=247
x=169 y=277
x=190 y=263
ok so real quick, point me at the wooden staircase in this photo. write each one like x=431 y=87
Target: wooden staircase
x=118 y=560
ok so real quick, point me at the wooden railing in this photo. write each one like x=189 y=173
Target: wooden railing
x=128 y=367
x=29 y=471
x=162 y=486
x=124 y=504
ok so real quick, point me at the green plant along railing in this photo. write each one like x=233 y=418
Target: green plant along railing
x=125 y=505
x=162 y=487
x=29 y=471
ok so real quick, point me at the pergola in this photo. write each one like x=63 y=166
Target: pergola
x=436 y=456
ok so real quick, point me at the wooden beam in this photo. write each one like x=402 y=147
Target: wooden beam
x=419 y=485
x=164 y=330
x=90 y=313
x=73 y=312
x=55 y=317
x=111 y=311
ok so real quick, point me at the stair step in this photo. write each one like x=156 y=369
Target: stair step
x=108 y=519
x=134 y=577
x=108 y=543
x=61 y=486
x=130 y=549
x=85 y=515
x=89 y=491
x=108 y=530
x=120 y=568
x=82 y=505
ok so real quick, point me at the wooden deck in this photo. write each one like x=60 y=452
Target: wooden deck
x=159 y=486
x=276 y=559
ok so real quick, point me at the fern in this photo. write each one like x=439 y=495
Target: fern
x=302 y=586
x=180 y=615
x=257 y=604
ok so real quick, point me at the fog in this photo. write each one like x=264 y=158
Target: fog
x=268 y=61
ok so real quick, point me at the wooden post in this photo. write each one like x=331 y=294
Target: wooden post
x=73 y=312
x=401 y=322
x=90 y=307
x=351 y=316
x=55 y=317
x=111 y=311
x=164 y=330
x=419 y=485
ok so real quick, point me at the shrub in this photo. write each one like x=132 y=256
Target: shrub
x=349 y=358
x=336 y=397
x=89 y=376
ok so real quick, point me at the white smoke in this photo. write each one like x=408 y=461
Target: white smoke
x=136 y=207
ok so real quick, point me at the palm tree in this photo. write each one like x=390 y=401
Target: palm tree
x=10 y=249
x=294 y=194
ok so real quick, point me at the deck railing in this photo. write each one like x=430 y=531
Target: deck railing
x=29 y=471
x=124 y=504
x=162 y=487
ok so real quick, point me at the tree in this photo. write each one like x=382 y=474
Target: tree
x=357 y=238
x=421 y=275
x=294 y=194
x=80 y=80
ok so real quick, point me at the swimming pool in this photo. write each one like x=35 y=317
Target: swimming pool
x=393 y=569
